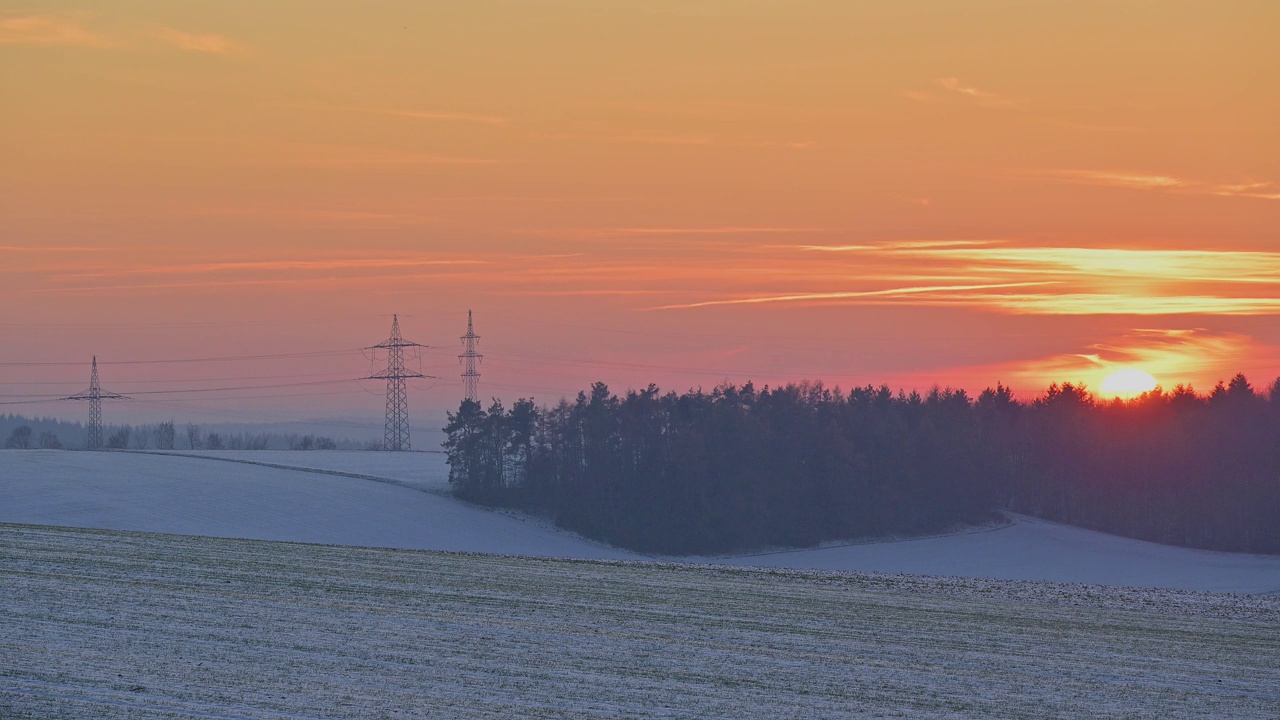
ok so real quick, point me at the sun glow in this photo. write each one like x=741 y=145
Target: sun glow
x=1127 y=383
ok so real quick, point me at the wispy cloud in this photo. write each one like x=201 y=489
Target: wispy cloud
x=1137 y=181
x=952 y=87
x=53 y=29
x=350 y=156
x=323 y=216
x=848 y=295
x=898 y=245
x=439 y=115
x=1171 y=355
x=209 y=43
x=713 y=230
x=73 y=29
x=1263 y=190
x=1071 y=280
x=326 y=265
x=691 y=139
x=50 y=249
x=1104 y=303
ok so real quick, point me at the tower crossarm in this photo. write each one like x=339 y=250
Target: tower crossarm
x=388 y=375
x=101 y=395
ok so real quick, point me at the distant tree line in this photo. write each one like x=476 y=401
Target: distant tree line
x=739 y=468
x=47 y=433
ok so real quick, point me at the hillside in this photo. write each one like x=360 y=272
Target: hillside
x=409 y=509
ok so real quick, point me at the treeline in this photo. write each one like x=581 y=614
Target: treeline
x=46 y=433
x=739 y=468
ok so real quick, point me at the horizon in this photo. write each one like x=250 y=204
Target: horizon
x=909 y=194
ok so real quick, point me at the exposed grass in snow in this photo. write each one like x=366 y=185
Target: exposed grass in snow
x=109 y=625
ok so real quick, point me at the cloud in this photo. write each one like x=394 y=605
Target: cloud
x=51 y=249
x=898 y=245
x=324 y=216
x=849 y=295
x=1171 y=355
x=1104 y=303
x=63 y=29
x=693 y=140
x=209 y=43
x=440 y=115
x=1069 y=280
x=70 y=29
x=350 y=156
x=920 y=97
x=1153 y=181
x=953 y=85
x=712 y=230
x=278 y=266
x=659 y=139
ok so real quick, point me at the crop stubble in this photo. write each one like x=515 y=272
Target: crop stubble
x=115 y=624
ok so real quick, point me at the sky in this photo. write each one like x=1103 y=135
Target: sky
x=911 y=193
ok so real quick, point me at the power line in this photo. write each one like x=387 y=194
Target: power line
x=245 y=387
x=470 y=378
x=396 y=426
x=228 y=358
x=95 y=395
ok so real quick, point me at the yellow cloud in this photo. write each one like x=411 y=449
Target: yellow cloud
x=953 y=85
x=210 y=43
x=55 y=29
x=1151 y=181
x=851 y=295
x=436 y=115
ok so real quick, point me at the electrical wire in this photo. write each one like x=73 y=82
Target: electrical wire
x=229 y=358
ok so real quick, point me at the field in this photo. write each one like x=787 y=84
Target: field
x=108 y=624
x=512 y=621
x=400 y=500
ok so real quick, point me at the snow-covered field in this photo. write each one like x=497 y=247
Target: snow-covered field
x=399 y=500
x=104 y=624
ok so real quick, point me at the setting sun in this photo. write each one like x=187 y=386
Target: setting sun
x=1128 y=383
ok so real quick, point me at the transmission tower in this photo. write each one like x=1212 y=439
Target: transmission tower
x=95 y=396
x=470 y=377
x=396 y=433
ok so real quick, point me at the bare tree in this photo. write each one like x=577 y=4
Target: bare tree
x=19 y=439
x=164 y=435
x=213 y=441
x=257 y=442
x=119 y=439
x=193 y=435
x=49 y=441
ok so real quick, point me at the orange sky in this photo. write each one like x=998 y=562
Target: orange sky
x=672 y=192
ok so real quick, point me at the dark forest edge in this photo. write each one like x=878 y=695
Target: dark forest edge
x=738 y=468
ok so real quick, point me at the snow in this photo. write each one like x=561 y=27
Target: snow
x=114 y=625
x=188 y=495
x=399 y=500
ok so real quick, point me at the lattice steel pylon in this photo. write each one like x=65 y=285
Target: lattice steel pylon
x=469 y=358
x=95 y=395
x=396 y=431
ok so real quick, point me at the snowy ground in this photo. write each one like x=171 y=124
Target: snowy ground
x=398 y=500
x=112 y=625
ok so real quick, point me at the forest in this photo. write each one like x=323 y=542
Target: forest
x=737 y=468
